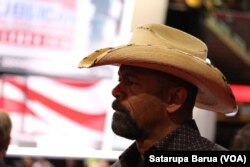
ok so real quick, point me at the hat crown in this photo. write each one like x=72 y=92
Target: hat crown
x=171 y=38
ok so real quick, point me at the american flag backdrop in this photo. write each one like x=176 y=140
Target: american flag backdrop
x=56 y=112
x=41 y=42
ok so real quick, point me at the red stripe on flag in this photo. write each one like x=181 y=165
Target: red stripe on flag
x=92 y=121
x=15 y=106
x=76 y=83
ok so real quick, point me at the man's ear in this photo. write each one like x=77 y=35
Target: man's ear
x=175 y=98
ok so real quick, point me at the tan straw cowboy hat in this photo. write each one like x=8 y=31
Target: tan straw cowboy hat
x=167 y=49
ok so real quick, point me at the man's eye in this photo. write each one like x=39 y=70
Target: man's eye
x=126 y=81
x=129 y=82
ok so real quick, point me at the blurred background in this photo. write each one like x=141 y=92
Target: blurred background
x=62 y=114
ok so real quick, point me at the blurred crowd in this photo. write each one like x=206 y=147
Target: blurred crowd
x=68 y=162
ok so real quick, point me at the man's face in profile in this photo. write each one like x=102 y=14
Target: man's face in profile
x=138 y=105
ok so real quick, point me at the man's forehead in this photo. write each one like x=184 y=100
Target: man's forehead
x=134 y=69
x=124 y=68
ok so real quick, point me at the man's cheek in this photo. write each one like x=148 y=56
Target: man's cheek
x=144 y=104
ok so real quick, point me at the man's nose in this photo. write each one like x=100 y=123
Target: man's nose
x=117 y=92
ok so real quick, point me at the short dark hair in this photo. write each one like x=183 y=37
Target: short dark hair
x=192 y=90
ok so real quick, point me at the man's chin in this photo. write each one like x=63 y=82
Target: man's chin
x=125 y=135
x=124 y=127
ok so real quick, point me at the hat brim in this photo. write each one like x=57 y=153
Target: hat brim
x=214 y=92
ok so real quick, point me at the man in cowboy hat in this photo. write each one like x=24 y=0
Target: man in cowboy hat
x=163 y=74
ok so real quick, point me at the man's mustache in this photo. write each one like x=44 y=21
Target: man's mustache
x=116 y=105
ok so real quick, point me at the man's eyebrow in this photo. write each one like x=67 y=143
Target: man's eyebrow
x=127 y=73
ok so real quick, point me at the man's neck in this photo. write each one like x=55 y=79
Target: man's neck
x=146 y=143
